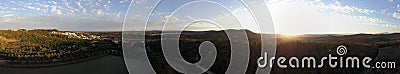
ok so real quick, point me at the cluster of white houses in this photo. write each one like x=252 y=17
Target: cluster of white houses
x=74 y=35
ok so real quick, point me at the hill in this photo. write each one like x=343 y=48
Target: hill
x=38 y=48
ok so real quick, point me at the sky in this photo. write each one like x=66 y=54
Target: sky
x=288 y=16
x=69 y=15
x=335 y=16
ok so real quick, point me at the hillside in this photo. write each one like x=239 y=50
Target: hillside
x=36 y=48
x=294 y=46
x=41 y=48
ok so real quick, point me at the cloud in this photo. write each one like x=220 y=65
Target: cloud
x=299 y=17
x=398 y=7
x=67 y=4
x=99 y=12
x=9 y=18
x=123 y=1
x=187 y=15
x=30 y=7
x=74 y=23
x=341 y=8
x=76 y=15
x=78 y=2
x=139 y=1
x=390 y=1
x=396 y=15
x=55 y=10
x=8 y=15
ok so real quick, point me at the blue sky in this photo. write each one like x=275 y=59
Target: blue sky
x=76 y=15
x=289 y=16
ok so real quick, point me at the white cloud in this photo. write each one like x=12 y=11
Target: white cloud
x=390 y=1
x=54 y=2
x=384 y=11
x=139 y=1
x=30 y=7
x=78 y=2
x=396 y=15
x=124 y=1
x=238 y=18
x=398 y=7
x=99 y=12
x=13 y=9
x=67 y=4
x=92 y=23
x=340 y=8
x=79 y=15
x=55 y=10
x=8 y=15
x=298 y=17
x=9 y=18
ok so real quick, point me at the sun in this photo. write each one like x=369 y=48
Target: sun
x=290 y=35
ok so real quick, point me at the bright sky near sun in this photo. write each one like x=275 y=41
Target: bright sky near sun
x=289 y=16
x=335 y=16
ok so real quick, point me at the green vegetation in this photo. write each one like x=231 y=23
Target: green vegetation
x=36 y=48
